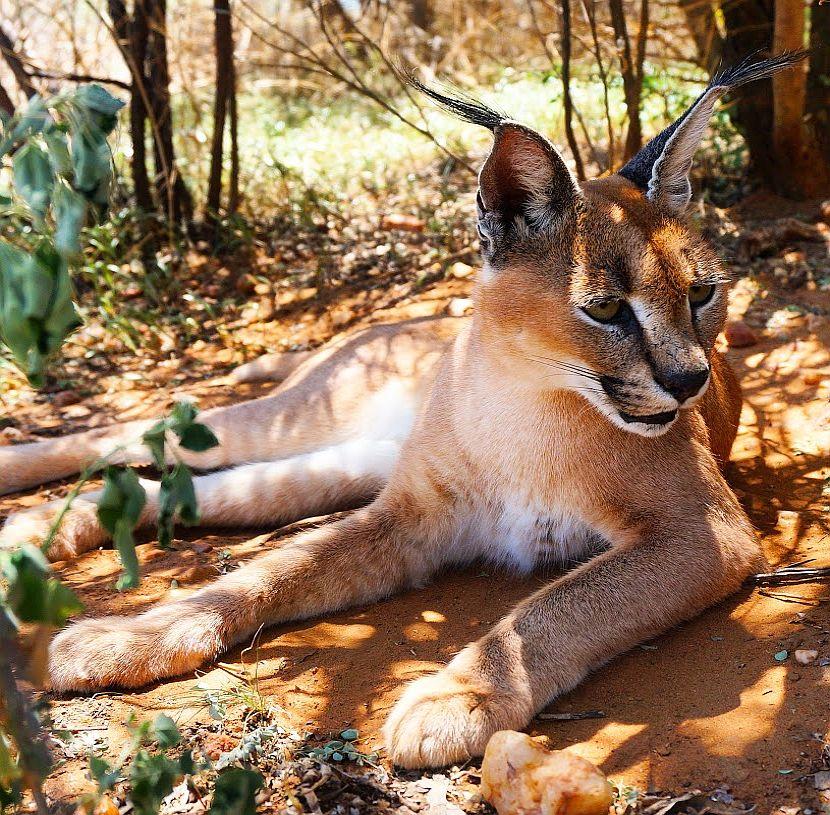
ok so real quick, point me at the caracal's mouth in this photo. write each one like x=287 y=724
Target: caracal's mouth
x=663 y=418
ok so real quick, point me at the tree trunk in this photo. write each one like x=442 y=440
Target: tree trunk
x=16 y=65
x=138 y=36
x=818 y=81
x=132 y=42
x=749 y=27
x=790 y=139
x=567 y=100
x=233 y=192
x=172 y=190
x=700 y=18
x=223 y=50
x=784 y=153
x=631 y=82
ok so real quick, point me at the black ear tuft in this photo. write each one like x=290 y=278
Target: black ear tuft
x=460 y=103
x=661 y=167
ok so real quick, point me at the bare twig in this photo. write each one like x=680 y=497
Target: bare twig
x=567 y=99
x=589 y=7
x=15 y=63
x=790 y=575
x=571 y=717
x=40 y=73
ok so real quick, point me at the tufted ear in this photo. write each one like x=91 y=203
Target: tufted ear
x=524 y=176
x=662 y=167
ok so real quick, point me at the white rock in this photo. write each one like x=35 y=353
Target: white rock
x=805 y=656
x=521 y=777
x=459 y=306
x=461 y=270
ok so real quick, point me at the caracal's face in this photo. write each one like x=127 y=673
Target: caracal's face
x=620 y=303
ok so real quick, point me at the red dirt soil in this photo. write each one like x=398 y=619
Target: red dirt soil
x=707 y=705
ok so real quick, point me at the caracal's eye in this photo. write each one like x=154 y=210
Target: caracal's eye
x=604 y=311
x=698 y=295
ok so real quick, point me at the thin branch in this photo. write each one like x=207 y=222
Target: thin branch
x=790 y=575
x=40 y=73
x=591 y=15
x=566 y=84
x=15 y=63
x=567 y=99
x=6 y=104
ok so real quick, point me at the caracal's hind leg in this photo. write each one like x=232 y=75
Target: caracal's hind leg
x=366 y=386
x=270 y=367
x=378 y=550
x=273 y=493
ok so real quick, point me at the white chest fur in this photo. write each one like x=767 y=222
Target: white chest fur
x=519 y=533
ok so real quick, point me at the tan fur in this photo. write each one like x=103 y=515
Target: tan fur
x=510 y=458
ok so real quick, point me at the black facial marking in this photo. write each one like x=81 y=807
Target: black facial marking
x=651 y=418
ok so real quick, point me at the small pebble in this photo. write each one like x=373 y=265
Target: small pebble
x=739 y=335
x=804 y=656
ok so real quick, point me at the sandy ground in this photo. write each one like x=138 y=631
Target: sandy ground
x=707 y=705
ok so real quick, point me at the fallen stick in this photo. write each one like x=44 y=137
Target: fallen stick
x=571 y=717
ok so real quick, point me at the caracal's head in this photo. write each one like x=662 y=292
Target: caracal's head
x=601 y=288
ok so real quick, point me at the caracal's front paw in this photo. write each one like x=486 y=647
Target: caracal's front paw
x=79 y=530
x=130 y=652
x=446 y=718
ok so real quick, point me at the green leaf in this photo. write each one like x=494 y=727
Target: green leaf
x=177 y=499
x=90 y=162
x=186 y=764
x=58 y=150
x=153 y=439
x=33 y=177
x=349 y=735
x=182 y=415
x=36 y=308
x=11 y=776
x=95 y=97
x=152 y=778
x=34 y=594
x=103 y=773
x=61 y=317
x=235 y=792
x=198 y=438
x=70 y=213
x=119 y=509
x=165 y=732
x=192 y=434
x=10 y=771
x=32 y=120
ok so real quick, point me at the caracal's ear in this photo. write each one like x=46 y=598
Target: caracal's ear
x=661 y=168
x=523 y=178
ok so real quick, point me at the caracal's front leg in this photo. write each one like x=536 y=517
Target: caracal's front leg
x=374 y=552
x=661 y=571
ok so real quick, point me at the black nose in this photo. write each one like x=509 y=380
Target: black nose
x=683 y=385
